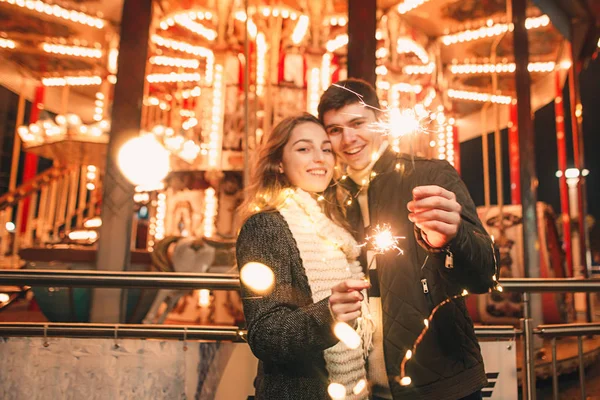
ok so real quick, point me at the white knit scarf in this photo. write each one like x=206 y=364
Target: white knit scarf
x=329 y=255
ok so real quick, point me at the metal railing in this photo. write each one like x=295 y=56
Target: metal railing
x=104 y=279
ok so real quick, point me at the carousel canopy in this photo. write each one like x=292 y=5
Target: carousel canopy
x=441 y=53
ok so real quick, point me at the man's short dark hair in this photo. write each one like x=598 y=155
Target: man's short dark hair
x=336 y=97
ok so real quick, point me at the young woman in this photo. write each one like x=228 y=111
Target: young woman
x=294 y=226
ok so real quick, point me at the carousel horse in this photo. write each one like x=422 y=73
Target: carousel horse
x=188 y=255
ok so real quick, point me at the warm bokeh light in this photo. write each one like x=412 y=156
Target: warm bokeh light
x=258 y=277
x=143 y=160
x=336 y=391
x=347 y=335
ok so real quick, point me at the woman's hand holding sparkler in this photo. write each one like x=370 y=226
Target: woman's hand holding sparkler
x=435 y=211
x=345 y=299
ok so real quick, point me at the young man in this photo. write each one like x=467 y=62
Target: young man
x=446 y=250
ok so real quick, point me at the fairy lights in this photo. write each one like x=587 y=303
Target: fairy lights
x=337 y=43
x=76 y=51
x=258 y=277
x=347 y=335
x=57 y=11
x=409 y=5
x=175 y=62
x=475 y=96
x=336 y=391
x=500 y=68
x=7 y=44
x=261 y=54
x=188 y=23
x=215 y=136
x=313 y=91
x=300 y=30
x=173 y=77
x=492 y=29
x=72 y=81
x=359 y=387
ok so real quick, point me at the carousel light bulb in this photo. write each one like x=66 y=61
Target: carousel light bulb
x=258 y=277
x=426 y=323
x=143 y=161
x=408 y=355
x=203 y=297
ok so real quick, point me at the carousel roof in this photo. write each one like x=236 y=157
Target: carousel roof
x=465 y=39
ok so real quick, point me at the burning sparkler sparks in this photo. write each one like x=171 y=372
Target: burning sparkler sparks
x=382 y=240
x=397 y=123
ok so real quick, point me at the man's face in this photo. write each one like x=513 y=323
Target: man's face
x=351 y=138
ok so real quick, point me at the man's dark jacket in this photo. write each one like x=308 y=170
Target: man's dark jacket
x=447 y=364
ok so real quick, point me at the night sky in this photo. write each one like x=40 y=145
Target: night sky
x=546 y=152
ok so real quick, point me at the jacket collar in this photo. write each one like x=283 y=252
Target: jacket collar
x=385 y=163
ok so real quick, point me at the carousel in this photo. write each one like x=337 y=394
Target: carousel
x=218 y=76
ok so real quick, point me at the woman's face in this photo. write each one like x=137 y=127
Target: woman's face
x=308 y=159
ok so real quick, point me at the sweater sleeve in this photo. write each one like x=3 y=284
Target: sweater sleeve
x=472 y=248
x=279 y=329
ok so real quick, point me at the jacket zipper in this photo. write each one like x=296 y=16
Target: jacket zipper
x=426 y=293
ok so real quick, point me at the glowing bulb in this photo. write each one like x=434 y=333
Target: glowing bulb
x=258 y=277
x=408 y=355
x=426 y=323
x=143 y=160
x=83 y=236
x=405 y=381
x=95 y=222
x=465 y=292
x=347 y=335
x=337 y=391
x=203 y=297
x=10 y=226
x=359 y=387
x=4 y=297
x=499 y=288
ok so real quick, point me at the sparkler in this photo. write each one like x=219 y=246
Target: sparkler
x=397 y=123
x=382 y=240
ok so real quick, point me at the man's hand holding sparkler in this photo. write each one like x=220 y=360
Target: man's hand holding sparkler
x=435 y=211
x=345 y=299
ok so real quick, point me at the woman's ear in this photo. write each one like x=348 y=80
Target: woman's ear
x=280 y=168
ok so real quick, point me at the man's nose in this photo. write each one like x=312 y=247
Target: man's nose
x=348 y=135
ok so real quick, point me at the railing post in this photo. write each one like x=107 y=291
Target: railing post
x=529 y=350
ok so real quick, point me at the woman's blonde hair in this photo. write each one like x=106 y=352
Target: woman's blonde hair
x=267 y=190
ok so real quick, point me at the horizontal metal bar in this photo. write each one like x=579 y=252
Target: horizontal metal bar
x=125 y=279
x=216 y=281
x=550 y=285
x=555 y=330
x=497 y=332
x=129 y=331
